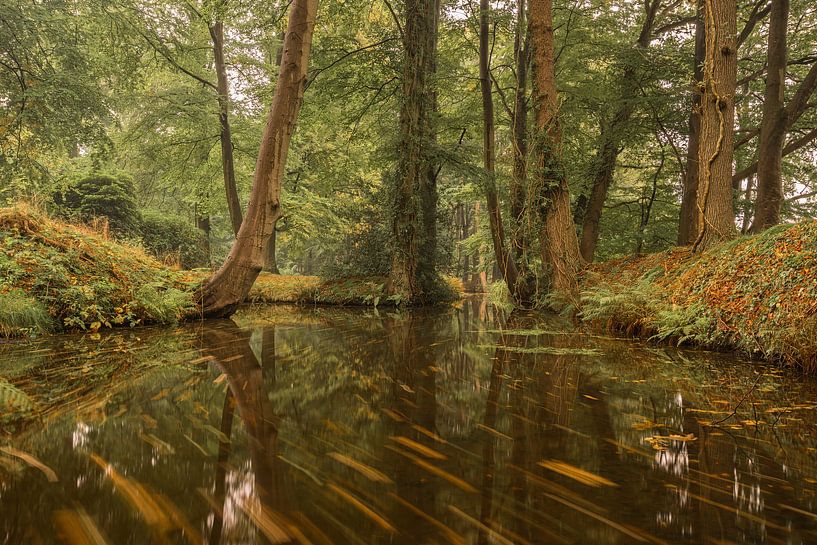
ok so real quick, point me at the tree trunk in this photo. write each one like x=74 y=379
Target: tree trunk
x=716 y=218
x=524 y=287
x=428 y=188
x=548 y=192
x=611 y=138
x=773 y=124
x=203 y=223
x=409 y=277
x=507 y=267
x=687 y=230
x=270 y=262
x=225 y=290
x=233 y=203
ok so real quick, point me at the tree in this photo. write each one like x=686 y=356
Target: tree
x=716 y=218
x=412 y=277
x=611 y=136
x=229 y=286
x=225 y=135
x=507 y=265
x=688 y=213
x=548 y=191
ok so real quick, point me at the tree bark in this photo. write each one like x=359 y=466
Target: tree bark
x=687 y=231
x=548 y=191
x=716 y=218
x=773 y=124
x=410 y=277
x=225 y=135
x=507 y=266
x=611 y=138
x=225 y=290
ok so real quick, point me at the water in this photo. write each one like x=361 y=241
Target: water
x=351 y=426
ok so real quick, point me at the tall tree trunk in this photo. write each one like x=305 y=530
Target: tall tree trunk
x=687 y=230
x=548 y=192
x=611 y=138
x=203 y=223
x=409 y=276
x=524 y=288
x=428 y=187
x=225 y=290
x=507 y=267
x=716 y=218
x=773 y=124
x=227 y=166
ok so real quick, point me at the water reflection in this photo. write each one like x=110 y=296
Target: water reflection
x=460 y=426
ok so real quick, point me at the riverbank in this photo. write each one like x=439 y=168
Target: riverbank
x=756 y=294
x=57 y=276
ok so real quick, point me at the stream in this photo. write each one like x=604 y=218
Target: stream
x=467 y=425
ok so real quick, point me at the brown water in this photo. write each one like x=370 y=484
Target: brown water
x=460 y=426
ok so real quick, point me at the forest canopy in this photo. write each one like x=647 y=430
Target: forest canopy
x=491 y=140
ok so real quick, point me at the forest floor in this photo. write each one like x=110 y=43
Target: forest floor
x=57 y=276
x=755 y=294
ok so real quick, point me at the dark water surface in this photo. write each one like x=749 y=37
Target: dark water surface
x=445 y=426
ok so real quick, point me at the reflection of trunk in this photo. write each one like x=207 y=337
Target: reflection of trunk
x=549 y=196
x=414 y=349
x=219 y=494
x=611 y=138
x=230 y=346
x=507 y=267
x=223 y=292
x=227 y=167
x=773 y=124
x=488 y=454
x=687 y=231
x=716 y=219
x=411 y=275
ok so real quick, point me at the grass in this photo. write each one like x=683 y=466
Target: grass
x=756 y=294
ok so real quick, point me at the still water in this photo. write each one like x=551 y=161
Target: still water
x=455 y=426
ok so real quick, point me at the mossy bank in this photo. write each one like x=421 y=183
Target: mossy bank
x=756 y=294
x=57 y=276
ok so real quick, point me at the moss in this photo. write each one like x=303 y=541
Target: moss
x=756 y=294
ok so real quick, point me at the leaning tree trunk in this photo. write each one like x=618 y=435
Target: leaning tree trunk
x=548 y=191
x=409 y=278
x=611 y=138
x=225 y=290
x=687 y=230
x=716 y=218
x=773 y=124
x=507 y=267
x=227 y=163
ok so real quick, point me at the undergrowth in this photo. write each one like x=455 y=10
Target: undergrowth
x=756 y=294
x=55 y=275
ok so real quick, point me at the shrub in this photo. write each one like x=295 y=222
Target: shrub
x=95 y=195
x=172 y=236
